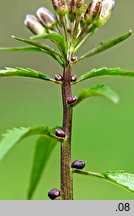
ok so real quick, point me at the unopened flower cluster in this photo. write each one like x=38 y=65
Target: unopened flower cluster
x=93 y=13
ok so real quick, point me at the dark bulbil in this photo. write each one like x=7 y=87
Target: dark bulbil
x=71 y=100
x=60 y=133
x=53 y=194
x=78 y=164
x=58 y=77
x=73 y=78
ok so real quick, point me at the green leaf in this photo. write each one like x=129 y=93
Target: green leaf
x=119 y=177
x=125 y=180
x=99 y=90
x=25 y=48
x=12 y=137
x=58 y=39
x=48 y=50
x=104 y=46
x=24 y=73
x=105 y=72
x=43 y=150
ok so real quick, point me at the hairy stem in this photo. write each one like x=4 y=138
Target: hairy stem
x=66 y=174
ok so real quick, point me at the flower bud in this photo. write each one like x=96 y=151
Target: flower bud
x=34 y=24
x=60 y=133
x=93 y=11
x=73 y=78
x=80 y=6
x=53 y=194
x=46 y=17
x=106 y=11
x=71 y=6
x=78 y=164
x=71 y=100
x=60 y=6
x=58 y=77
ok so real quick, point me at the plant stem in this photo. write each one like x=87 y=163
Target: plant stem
x=66 y=174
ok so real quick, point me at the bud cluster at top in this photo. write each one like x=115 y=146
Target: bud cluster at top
x=96 y=12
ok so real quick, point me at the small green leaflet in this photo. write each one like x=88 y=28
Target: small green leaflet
x=43 y=150
x=22 y=72
x=125 y=180
x=48 y=50
x=99 y=90
x=58 y=39
x=105 y=72
x=12 y=137
x=104 y=46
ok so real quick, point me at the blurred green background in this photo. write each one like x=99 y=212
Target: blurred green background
x=103 y=133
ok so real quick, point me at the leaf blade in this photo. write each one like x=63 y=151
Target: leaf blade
x=104 y=46
x=24 y=48
x=99 y=90
x=105 y=72
x=44 y=148
x=58 y=39
x=121 y=178
x=48 y=50
x=22 y=72
x=12 y=137
x=118 y=177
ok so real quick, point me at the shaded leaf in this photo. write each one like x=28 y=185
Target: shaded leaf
x=104 y=46
x=43 y=150
x=125 y=180
x=58 y=39
x=99 y=90
x=105 y=72
x=48 y=50
x=12 y=137
x=24 y=73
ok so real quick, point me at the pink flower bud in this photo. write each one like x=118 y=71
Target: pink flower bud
x=34 y=24
x=46 y=17
x=106 y=11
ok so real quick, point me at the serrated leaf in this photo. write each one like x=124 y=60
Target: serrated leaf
x=58 y=39
x=105 y=72
x=118 y=177
x=12 y=137
x=121 y=178
x=22 y=72
x=99 y=90
x=104 y=46
x=48 y=50
x=43 y=150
